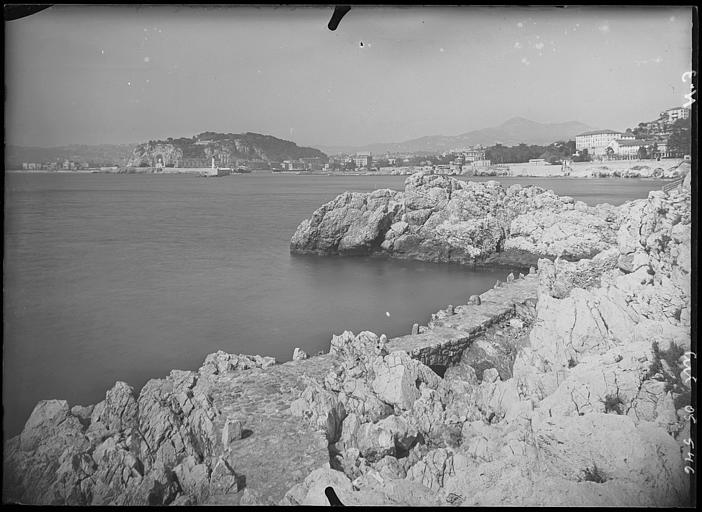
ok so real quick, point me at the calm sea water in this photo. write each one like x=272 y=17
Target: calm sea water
x=114 y=277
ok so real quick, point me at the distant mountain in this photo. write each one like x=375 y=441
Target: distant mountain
x=224 y=147
x=102 y=154
x=509 y=133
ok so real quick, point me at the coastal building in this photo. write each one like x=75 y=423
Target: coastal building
x=626 y=149
x=364 y=159
x=474 y=154
x=313 y=163
x=597 y=141
x=481 y=163
x=673 y=114
x=292 y=165
x=194 y=163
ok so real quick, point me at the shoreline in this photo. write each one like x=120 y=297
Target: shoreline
x=458 y=176
x=221 y=375
x=364 y=413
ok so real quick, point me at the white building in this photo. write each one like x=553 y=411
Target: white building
x=627 y=149
x=596 y=141
x=363 y=160
x=673 y=114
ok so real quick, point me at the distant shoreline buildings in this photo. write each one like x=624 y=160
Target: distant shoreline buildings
x=648 y=138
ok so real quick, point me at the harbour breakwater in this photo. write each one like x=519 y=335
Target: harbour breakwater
x=576 y=397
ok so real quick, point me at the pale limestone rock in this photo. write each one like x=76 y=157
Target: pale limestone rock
x=232 y=431
x=322 y=408
x=223 y=480
x=299 y=354
x=119 y=409
x=474 y=299
x=193 y=478
x=396 y=377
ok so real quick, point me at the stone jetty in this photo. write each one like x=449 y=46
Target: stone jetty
x=566 y=386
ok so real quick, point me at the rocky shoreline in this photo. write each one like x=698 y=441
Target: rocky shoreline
x=442 y=219
x=568 y=390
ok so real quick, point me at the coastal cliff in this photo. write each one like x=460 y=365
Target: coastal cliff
x=579 y=400
x=442 y=219
x=225 y=148
x=562 y=387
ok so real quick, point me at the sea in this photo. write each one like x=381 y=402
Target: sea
x=126 y=277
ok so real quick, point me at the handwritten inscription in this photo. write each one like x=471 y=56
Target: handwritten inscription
x=687 y=75
x=686 y=374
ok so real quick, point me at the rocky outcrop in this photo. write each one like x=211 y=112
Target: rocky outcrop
x=224 y=148
x=577 y=400
x=441 y=219
x=158 y=447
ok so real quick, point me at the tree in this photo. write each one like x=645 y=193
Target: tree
x=680 y=141
x=610 y=152
x=642 y=153
x=584 y=156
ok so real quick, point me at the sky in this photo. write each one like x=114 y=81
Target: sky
x=125 y=73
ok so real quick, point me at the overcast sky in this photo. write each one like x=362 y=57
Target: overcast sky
x=118 y=74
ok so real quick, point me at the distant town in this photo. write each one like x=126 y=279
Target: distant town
x=668 y=136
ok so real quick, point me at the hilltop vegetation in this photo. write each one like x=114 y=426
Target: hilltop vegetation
x=224 y=147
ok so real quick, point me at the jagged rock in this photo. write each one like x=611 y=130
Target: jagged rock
x=119 y=409
x=221 y=362
x=223 y=480
x=415 y=329
x=232 y=431
x=430 y=471
x=252 y=497
x=83 y=413
x=397 y=377
x=565 y=233
x=182 y=501
x=194 y=478
x=491 y=375
x=51 y=420
x=311 y=490
x=387 y=491
x=176 y=419
x=299 y=354
x=481 y=355
x=473 y=299
x=559 y=277
x=322 y=408
x=463 y=371
x=437 y=218
x=357 y=397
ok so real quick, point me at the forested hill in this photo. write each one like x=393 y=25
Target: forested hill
x=224 y=147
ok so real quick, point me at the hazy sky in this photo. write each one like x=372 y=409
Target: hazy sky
x=117 y=74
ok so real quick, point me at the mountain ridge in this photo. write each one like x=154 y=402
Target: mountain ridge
x=514 y=131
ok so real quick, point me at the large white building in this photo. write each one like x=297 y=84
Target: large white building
x=627 y=149
x=596 y=141
x=363 y=160
x=673 y=114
